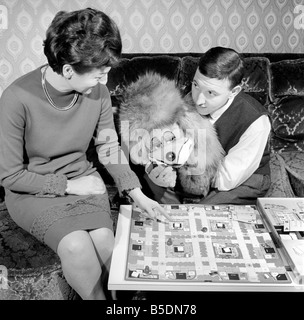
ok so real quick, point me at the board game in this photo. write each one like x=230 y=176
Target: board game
x=224 y=243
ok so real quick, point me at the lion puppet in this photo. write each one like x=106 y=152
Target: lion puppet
x=160 y=128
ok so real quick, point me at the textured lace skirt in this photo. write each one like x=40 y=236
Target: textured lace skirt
x=50 y=219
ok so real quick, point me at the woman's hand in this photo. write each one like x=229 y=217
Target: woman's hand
x=85 y=186
x=151 y=207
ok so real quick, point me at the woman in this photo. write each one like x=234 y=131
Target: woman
x=47 y=120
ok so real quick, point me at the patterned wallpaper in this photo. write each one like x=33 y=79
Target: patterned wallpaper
x=150 y=26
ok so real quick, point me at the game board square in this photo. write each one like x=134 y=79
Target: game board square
x=259 y=226
x=233 y=276
x=136 y=247
x=281 y=277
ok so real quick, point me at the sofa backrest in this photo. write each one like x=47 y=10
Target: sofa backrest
x=181 y=68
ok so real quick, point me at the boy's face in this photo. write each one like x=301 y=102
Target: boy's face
x=210 y=94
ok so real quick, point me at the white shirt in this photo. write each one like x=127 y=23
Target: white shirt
x=244 y=158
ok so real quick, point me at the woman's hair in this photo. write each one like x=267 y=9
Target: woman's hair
x=222 y=63
x=86 y=39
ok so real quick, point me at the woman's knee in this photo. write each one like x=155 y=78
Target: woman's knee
x=76 y=244
x=103 y=237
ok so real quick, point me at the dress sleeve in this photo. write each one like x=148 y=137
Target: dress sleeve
x=13 y=165
x=109 y=151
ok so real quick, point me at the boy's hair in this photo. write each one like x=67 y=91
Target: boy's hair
x=86 y=39
x=222 y=63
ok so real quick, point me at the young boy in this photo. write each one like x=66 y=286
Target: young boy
x=242 y=125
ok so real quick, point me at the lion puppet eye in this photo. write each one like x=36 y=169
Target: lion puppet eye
x=169 y=136
x=155 y=144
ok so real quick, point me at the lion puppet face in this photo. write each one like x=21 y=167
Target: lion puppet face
x=169 y=146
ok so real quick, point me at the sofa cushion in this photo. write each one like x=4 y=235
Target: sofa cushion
x=294 y=166
x=255 y=79
x=287 y=115
x=287 y=174
x=279 y=186
x=296 y=182
x=287 y=78
x=33 y=269
x=287 y=105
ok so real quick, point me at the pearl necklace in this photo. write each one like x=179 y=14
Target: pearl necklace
x=52 y=103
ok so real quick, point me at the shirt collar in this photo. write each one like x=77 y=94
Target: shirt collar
x=216 y=114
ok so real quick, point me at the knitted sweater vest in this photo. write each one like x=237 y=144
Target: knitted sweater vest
x=232 y=124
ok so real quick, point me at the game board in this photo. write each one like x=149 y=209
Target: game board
x=224 y=243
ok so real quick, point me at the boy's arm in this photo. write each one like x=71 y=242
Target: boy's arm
x=244 y=158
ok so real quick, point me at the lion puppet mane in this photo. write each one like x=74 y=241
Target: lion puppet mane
x=154 y=102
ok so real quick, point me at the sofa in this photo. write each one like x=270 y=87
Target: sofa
x=30 y=270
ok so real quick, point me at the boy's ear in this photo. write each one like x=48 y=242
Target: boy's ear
x=235 y=91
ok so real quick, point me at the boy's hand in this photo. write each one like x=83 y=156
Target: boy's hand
x=163 y=176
